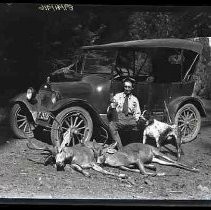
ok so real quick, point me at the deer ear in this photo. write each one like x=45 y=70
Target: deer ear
x=113 y=145
x=111 y=151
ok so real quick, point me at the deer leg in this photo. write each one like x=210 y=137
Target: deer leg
x=144 y=138
x=130 y=165
x=163 y=162
x=178 y=152
x=150 y=166
x=129 y=169
x=142 y=169
x=157 y=144
x=158 y=154
x=101 y=170
x=179 y=149
x=79 y=169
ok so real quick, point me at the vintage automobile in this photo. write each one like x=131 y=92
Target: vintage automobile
x=75 y=99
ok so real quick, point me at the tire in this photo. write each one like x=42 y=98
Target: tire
x=188 y=119
x=75 y=118
x=19 y=122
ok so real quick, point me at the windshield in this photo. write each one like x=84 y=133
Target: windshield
x=99 y=62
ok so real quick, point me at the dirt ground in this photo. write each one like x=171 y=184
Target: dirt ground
x=22 y=178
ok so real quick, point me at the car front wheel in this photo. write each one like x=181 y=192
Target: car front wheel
x=74 y=124
x=188 y=119
x=19 y=122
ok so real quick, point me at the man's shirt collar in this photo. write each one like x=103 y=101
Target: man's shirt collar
x=124 y=95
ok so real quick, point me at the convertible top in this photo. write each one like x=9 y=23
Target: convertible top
x=150 y=43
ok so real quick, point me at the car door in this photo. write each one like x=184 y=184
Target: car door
x=152 y=95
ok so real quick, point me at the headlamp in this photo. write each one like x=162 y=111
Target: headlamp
x=30 y=93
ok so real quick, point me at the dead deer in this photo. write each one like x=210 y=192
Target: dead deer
x=139 y=155
x=79 y=156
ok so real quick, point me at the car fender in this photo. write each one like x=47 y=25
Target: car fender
x=176 y=103
x=18 y=98
x=64 y=103
x=21 y=98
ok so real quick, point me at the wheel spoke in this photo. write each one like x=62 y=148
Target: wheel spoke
x=71 y=121
x=192 y=126
x=182 y=116
x=22 y=124
x=20 y=115
x=193 y=119
x=193 y=122
x=64 y=128
x=81 y=128
x=183 y=128
x=189 y=130
x=79 y=123
x=185 y=114
x=185 y=131
x=25 y=128
x=20 y=120
x=191 y=116
x=67 y=123
x=75 y=121
x=188 y=114
x=82 y=134
x=181 y=120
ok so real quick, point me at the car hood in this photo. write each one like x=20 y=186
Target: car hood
x=85 y=88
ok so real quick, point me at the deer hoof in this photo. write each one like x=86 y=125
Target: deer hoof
x=123 y=176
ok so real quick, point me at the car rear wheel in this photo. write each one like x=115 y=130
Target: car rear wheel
x=188 y=119
x=19 y=122
x=73 y=123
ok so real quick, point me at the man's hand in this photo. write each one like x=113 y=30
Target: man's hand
x=141 y=123
x=113 y=104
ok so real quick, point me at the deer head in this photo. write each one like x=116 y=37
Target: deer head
x=62 y=157
x=107 y=149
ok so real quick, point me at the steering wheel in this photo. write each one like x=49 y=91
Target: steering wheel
x=120 y=74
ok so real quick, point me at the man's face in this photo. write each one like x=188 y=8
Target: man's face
x=127 y=87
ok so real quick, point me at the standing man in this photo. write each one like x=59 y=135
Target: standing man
x=123 y=112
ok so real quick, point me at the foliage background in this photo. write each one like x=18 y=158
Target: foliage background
x=34 y=43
